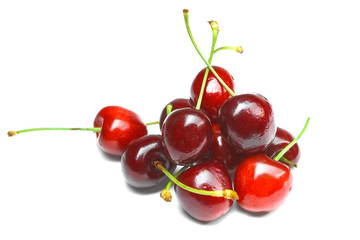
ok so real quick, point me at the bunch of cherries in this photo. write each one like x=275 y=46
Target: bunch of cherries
x=215 y=138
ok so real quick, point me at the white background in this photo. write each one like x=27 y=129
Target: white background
x=62 y=61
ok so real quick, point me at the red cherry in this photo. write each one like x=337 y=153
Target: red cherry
x=187 y=135
x=222 y=152
x=281 y=140
x=176 y=104
x=210 y=177
x=261 y=183
x=138 y=162
x=119 y=127
x=247 y=122
x=214 y=94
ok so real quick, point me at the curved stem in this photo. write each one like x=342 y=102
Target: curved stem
x=238 y=49
x=293 y=142
x=13 y=133
x=186 y=17
x=215 y=31
x=170 y=183
x=226 y=193
x=165 y=193
x=283 y=159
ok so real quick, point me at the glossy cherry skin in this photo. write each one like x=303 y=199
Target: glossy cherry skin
x=222 y=152
x=119 y=127
x=138 y=162
x=247 y=122
x=211 y=177
x=177 y=103
x=214 y=94
x=187 y=135
x=281 y=140
x=262 y=183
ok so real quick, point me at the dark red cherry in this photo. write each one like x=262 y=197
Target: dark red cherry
x=214 y=94
x=261 y=183
x=176 y=104
x=222 y=152
x=138 y=162
x=281 y=140
x=119 y=127
x=210 y=177
x=247 y=122
x=187 y=135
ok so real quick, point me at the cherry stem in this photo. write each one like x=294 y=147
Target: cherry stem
x=226 y=193
x=238 y=49
x=215 y=30
x=165 y=193
x=152 y=123
x=186 y=17
x=13 y=133
x=170 y=183
x=168 y=109
x=283 y=159
x=94 y=129
x=293 y=142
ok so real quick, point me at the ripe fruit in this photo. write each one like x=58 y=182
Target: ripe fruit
x=281 y=140
x=119 y=127
x=138 y=162
x=222 y=152
x=176 y=104
x=210 y=177
x=247 y=122
x=242 y=134
x=214 y=94
x=115 y=129
x=261 y=183
x=187 y=135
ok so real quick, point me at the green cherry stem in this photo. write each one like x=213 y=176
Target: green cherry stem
x=226 y=193
x=186 y=17
x=94 y=129
x=13 y=133
x=283 y=159
x=293 y=142
x=238 y=49
x=152 y=123
x=165 y=194
x=169 y=108
x=215 y=30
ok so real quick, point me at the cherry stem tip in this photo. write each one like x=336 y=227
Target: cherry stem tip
x=11 y=133
x=214 y=25
x=166 y=195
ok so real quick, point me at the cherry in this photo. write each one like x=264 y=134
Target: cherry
x=138 y=162
x=222 y=152
x=187 y=135
x=262 y=183
x=247 y=122
x=209 y=177
x=177 y=103
x=281 y=140
x=215 y=94
x=119 y=127
x=115 y=128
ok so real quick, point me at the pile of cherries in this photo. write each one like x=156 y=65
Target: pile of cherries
x=225 y=146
